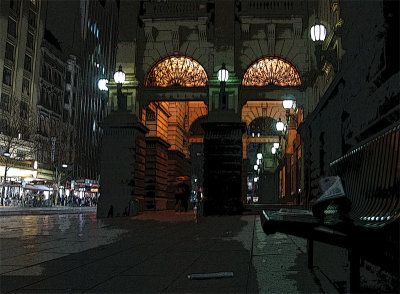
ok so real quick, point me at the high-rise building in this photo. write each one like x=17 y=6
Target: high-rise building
x=88 y=30
x=21 y=32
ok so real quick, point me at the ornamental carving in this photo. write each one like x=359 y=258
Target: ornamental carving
x=177 y=71
x=271 y=71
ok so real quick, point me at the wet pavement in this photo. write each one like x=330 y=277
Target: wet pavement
x=155 y=252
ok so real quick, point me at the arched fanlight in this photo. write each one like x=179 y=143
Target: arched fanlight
x=119 y=76
x=102 y=84
x=280 y=125
x=318 y=32
x=259 y=156
x=223 y=74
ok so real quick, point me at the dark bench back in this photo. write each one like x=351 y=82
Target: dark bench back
x=370 y=174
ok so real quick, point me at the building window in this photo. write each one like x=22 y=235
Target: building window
x=271 y=71
x=5 y=100
x=177 y=71
x=13 y=4
x=26 y=87
x=32 y=18
x=66 y=97
x=150 y=115
x=12 y=27
x=23 y=110
x=10 y=49
x=7 y=74
x=68 y=77
x=29 y=41
x=28 y=63
x=3 y=125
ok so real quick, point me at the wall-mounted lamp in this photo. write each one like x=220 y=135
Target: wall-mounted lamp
x=318 y=35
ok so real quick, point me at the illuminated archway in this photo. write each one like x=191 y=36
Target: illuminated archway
x=176 y=71
x=271 y=71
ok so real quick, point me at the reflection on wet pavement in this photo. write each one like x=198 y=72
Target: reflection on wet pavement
x=31 y=239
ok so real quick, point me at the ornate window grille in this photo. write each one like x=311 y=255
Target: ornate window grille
x=271 y=71
x=177 y=71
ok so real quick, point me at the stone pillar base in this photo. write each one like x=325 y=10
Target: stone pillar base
x=122 y=165
x=223 y=167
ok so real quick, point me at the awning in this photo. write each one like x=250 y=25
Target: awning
x=37 y=187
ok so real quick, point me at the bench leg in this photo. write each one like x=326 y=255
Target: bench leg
x=310 y=253
x=353 y=285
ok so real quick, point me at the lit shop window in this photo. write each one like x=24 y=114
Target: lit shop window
x=271 y=71
x=177 y=71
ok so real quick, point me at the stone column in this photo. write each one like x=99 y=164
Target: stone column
x=156 y=180
x=122 y=164
x=223 y=167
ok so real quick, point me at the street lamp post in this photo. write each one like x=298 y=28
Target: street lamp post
x=7 y=155
x=119 y=78
x=223 y=76
x=58 y=181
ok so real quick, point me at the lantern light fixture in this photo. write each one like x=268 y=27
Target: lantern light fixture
x=255 y=167
x=102 y=84
x=280 y=125
x=273 y=150
x=259 y=156
x=276 y=145
x=287 y=104
x=119 y=76
x=223 y=74
x=318 y=32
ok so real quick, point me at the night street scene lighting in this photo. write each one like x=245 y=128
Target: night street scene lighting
x=146 y=128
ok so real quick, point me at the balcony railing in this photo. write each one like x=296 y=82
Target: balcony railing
x=174 y=9
x=271 y=7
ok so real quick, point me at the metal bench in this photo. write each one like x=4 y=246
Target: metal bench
x=365 y=220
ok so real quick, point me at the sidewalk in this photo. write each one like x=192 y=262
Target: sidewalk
x=69 y=250
x=18 y=210
x=153 y=252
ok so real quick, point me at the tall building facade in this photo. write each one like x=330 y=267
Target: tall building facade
x=21 y=31
x=87 y=30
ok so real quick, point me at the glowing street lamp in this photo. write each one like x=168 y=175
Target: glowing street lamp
x=280 y=125
x=102 y=84
x=318 y=32
x=223 y=74
x=287 y=104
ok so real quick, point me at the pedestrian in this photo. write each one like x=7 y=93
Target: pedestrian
x=178 y=192
x=186 y=193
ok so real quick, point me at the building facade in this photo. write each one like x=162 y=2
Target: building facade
x=171 y=53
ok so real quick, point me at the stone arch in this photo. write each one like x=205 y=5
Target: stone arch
x=271 y=71
x=176 y=70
